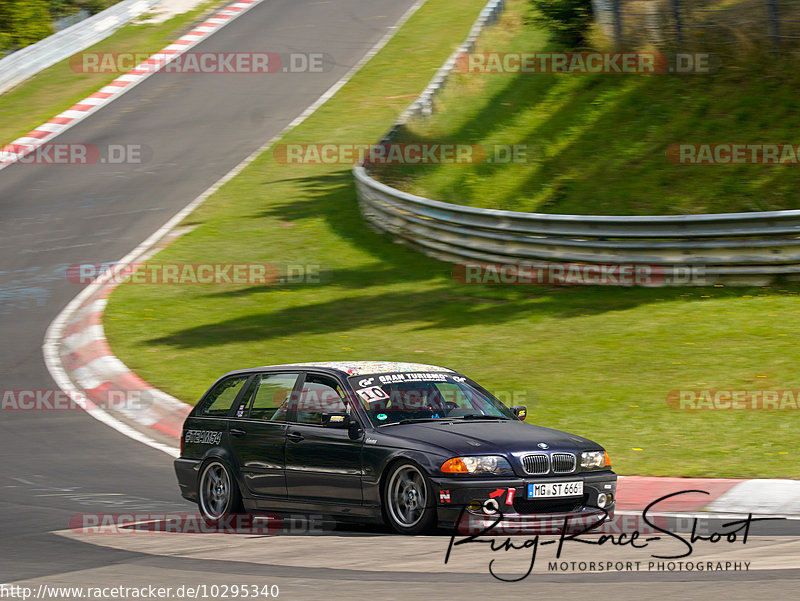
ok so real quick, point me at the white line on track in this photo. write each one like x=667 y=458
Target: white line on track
x=55 y=127
x=55 y=330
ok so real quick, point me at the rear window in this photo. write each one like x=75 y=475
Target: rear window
x=219 y=401
x=271 y=397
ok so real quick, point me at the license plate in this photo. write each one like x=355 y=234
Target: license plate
x=541 y=490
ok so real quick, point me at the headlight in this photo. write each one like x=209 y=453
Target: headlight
x=595 y=460
x=482 y=464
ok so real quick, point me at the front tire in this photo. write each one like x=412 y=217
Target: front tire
x=408 y=501
x=217 y=495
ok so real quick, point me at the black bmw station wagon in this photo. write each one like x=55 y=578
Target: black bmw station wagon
x=412 y=445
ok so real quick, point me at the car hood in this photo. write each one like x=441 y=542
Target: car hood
x=489 y=437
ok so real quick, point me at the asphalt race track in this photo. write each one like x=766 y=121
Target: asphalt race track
x=198 y=127
x=58 y=464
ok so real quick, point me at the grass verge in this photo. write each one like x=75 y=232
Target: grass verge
x=599 y=141
x=596 y=361
x=57 y=88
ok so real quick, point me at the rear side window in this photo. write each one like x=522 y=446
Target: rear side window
x=271 y=397
x=219 y=400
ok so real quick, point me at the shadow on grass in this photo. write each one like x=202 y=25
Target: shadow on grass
x=332 y=196
x=603 y=144
x=431 y=299
x=444 y=307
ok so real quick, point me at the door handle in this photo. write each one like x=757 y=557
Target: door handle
x=294 y=436
x=237 y=433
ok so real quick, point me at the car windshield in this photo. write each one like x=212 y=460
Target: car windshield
x=403 y=397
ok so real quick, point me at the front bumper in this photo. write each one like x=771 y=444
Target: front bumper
x=475 y=504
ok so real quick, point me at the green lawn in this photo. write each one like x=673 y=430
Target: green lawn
x=600 y=139
x=57 y=88
x=597 y=361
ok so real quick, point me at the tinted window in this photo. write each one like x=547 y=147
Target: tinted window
x=320 y=394
x=220 y=399
x=389 y=398
x=271 y=397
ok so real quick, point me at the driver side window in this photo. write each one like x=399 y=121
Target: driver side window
x=320 y=394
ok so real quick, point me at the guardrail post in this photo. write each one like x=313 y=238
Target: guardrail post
x=774 y=23
x=616 y=9
x=676 y=15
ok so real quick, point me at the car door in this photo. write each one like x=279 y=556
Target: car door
x=208 y=424
x=258 y=433
x=323 y=464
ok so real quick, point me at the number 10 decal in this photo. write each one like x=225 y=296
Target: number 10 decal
x=372 y=394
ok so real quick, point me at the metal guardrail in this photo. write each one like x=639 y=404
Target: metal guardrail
x=22 y=64
x=700 y=24
x=725 y=244
x=423 y=105
x=731 y=248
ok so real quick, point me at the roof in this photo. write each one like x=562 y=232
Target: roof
x=358 y=368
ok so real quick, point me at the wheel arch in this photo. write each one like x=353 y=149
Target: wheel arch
x=416 y=458
x=218 y=454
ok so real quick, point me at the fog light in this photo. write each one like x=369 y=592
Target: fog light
x=490 y=506
x=602 y=500
x=474 y=505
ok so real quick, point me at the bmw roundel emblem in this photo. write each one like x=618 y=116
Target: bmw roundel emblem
x=543 y=445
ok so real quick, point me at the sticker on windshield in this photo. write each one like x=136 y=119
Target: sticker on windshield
x=381 y=416
x=412 y=377
x=372 y=394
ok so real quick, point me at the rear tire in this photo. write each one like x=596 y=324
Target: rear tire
x=218 y=495
x=408 y=501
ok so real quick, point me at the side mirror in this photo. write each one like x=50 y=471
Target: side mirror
x=339 y=421
x=521 y=411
